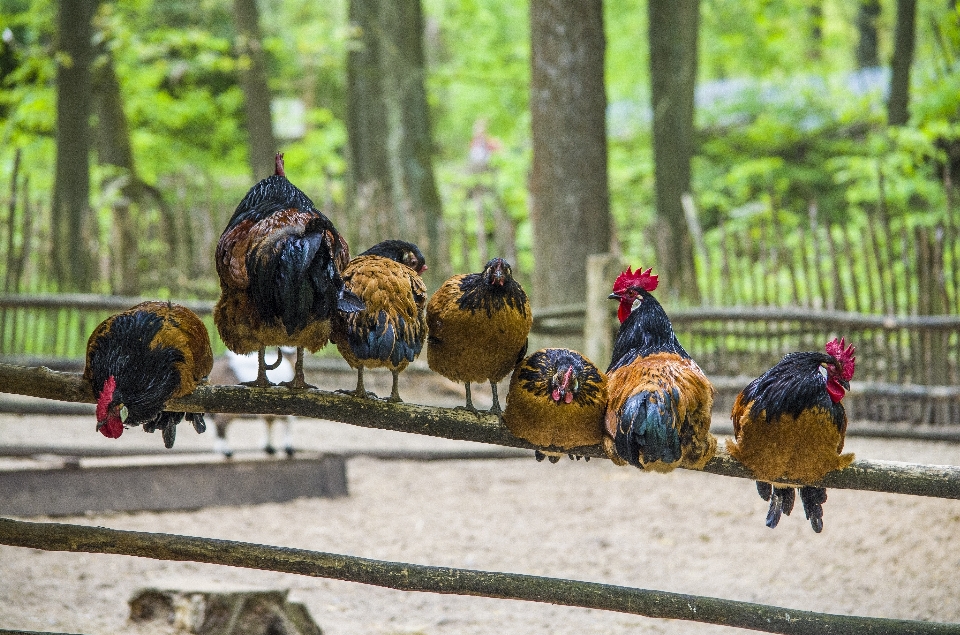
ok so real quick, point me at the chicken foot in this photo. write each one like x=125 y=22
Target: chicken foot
x=298 y=382
x=262 y=367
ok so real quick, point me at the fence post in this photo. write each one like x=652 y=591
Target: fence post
x=602 y=269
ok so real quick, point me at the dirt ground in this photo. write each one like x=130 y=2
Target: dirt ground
x=879 y=554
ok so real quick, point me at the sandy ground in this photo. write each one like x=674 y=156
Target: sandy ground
x=879 y=554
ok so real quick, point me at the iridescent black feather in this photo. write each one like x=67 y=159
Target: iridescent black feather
x=145 y=377
x=645 y=332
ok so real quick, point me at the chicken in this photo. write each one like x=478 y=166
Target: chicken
x=789 y=427
x=390 y=331
x=279 y=261
x=659 y=401
x=478 y=325
x=139 y=359
x=556 y=401
x=233 y=369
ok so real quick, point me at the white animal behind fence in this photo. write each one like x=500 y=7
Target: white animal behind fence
x=234 y=369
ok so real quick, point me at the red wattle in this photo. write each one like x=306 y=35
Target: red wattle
x=555 y=394
x=835 y=390
x=113 y=428
x=568 y=398
x=623 y=311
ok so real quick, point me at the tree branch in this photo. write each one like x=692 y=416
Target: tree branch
x=942 y=481
x=448 y=580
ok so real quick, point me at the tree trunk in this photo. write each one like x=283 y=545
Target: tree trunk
x=414 y=189
x=673 y=72
x=73 y=231
x=113 y=148
x=815 y=12
x=256 y=92
x=569 y=189
x=393 y=189
x=898 y=112
x=867 y=50
x=367 y=131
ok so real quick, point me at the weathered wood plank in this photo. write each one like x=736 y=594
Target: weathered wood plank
x=449 y=580
x=163 y=487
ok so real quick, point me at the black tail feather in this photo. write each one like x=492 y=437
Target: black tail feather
x=781 y=502
x=813 y=499
x=647 y=429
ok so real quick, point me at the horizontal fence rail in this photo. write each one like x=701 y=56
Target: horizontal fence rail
x=941 y=481
x=453 y=581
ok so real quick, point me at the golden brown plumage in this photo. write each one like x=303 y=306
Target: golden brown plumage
x=140 y=358
x=390 y=331
x=659 y=401
x=279 y=262
x=556 y=401
x=478 y=325
x=789 y=428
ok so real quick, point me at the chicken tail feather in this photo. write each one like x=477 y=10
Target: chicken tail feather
x=646 y=431
x=813 y=499
x=781 y=502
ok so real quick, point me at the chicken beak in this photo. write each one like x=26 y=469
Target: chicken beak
x=845 y=384
x=613 y=296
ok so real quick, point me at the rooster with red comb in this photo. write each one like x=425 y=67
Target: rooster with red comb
x=659 y=401
x=789 y=426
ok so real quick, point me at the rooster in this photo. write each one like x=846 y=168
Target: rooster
x=139 y=359
x=659 y=401
x=556 y=400
x=478 y=325
x=279 y=261
x=390 y=331
x=789 y=426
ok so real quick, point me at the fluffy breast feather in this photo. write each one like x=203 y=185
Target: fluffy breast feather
x=474 y=345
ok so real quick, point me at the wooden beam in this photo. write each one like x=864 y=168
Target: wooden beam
x=941 y=481
x=449 y=580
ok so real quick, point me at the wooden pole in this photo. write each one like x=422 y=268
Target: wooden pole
x=942 y=481
x=602 y=270
x=453 y=581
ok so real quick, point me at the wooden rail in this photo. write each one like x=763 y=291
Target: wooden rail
x=453 y=581
x=941 y=481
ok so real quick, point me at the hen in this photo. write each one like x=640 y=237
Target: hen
x=659 y=401
x=139 y=359
x=279 y=261
x=478 y=325
x=789 y=426
x=556 y=401
x=390 y=331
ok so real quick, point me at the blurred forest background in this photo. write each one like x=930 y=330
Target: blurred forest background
x=778 y=152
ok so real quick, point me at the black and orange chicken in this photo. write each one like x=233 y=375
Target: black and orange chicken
x=659 y=401
x=556 y=402
x=789 y=427
x=391 y=330
x=478 y=325
x=279 y=261
x=139 y=359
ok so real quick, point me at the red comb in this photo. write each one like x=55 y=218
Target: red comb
x=843 y=355
x=637 y=278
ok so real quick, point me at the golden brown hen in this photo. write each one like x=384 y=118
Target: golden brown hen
x=478 y=326
x=139 y=359
x=789 y=427
x=556 y=402
x=390 y=331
